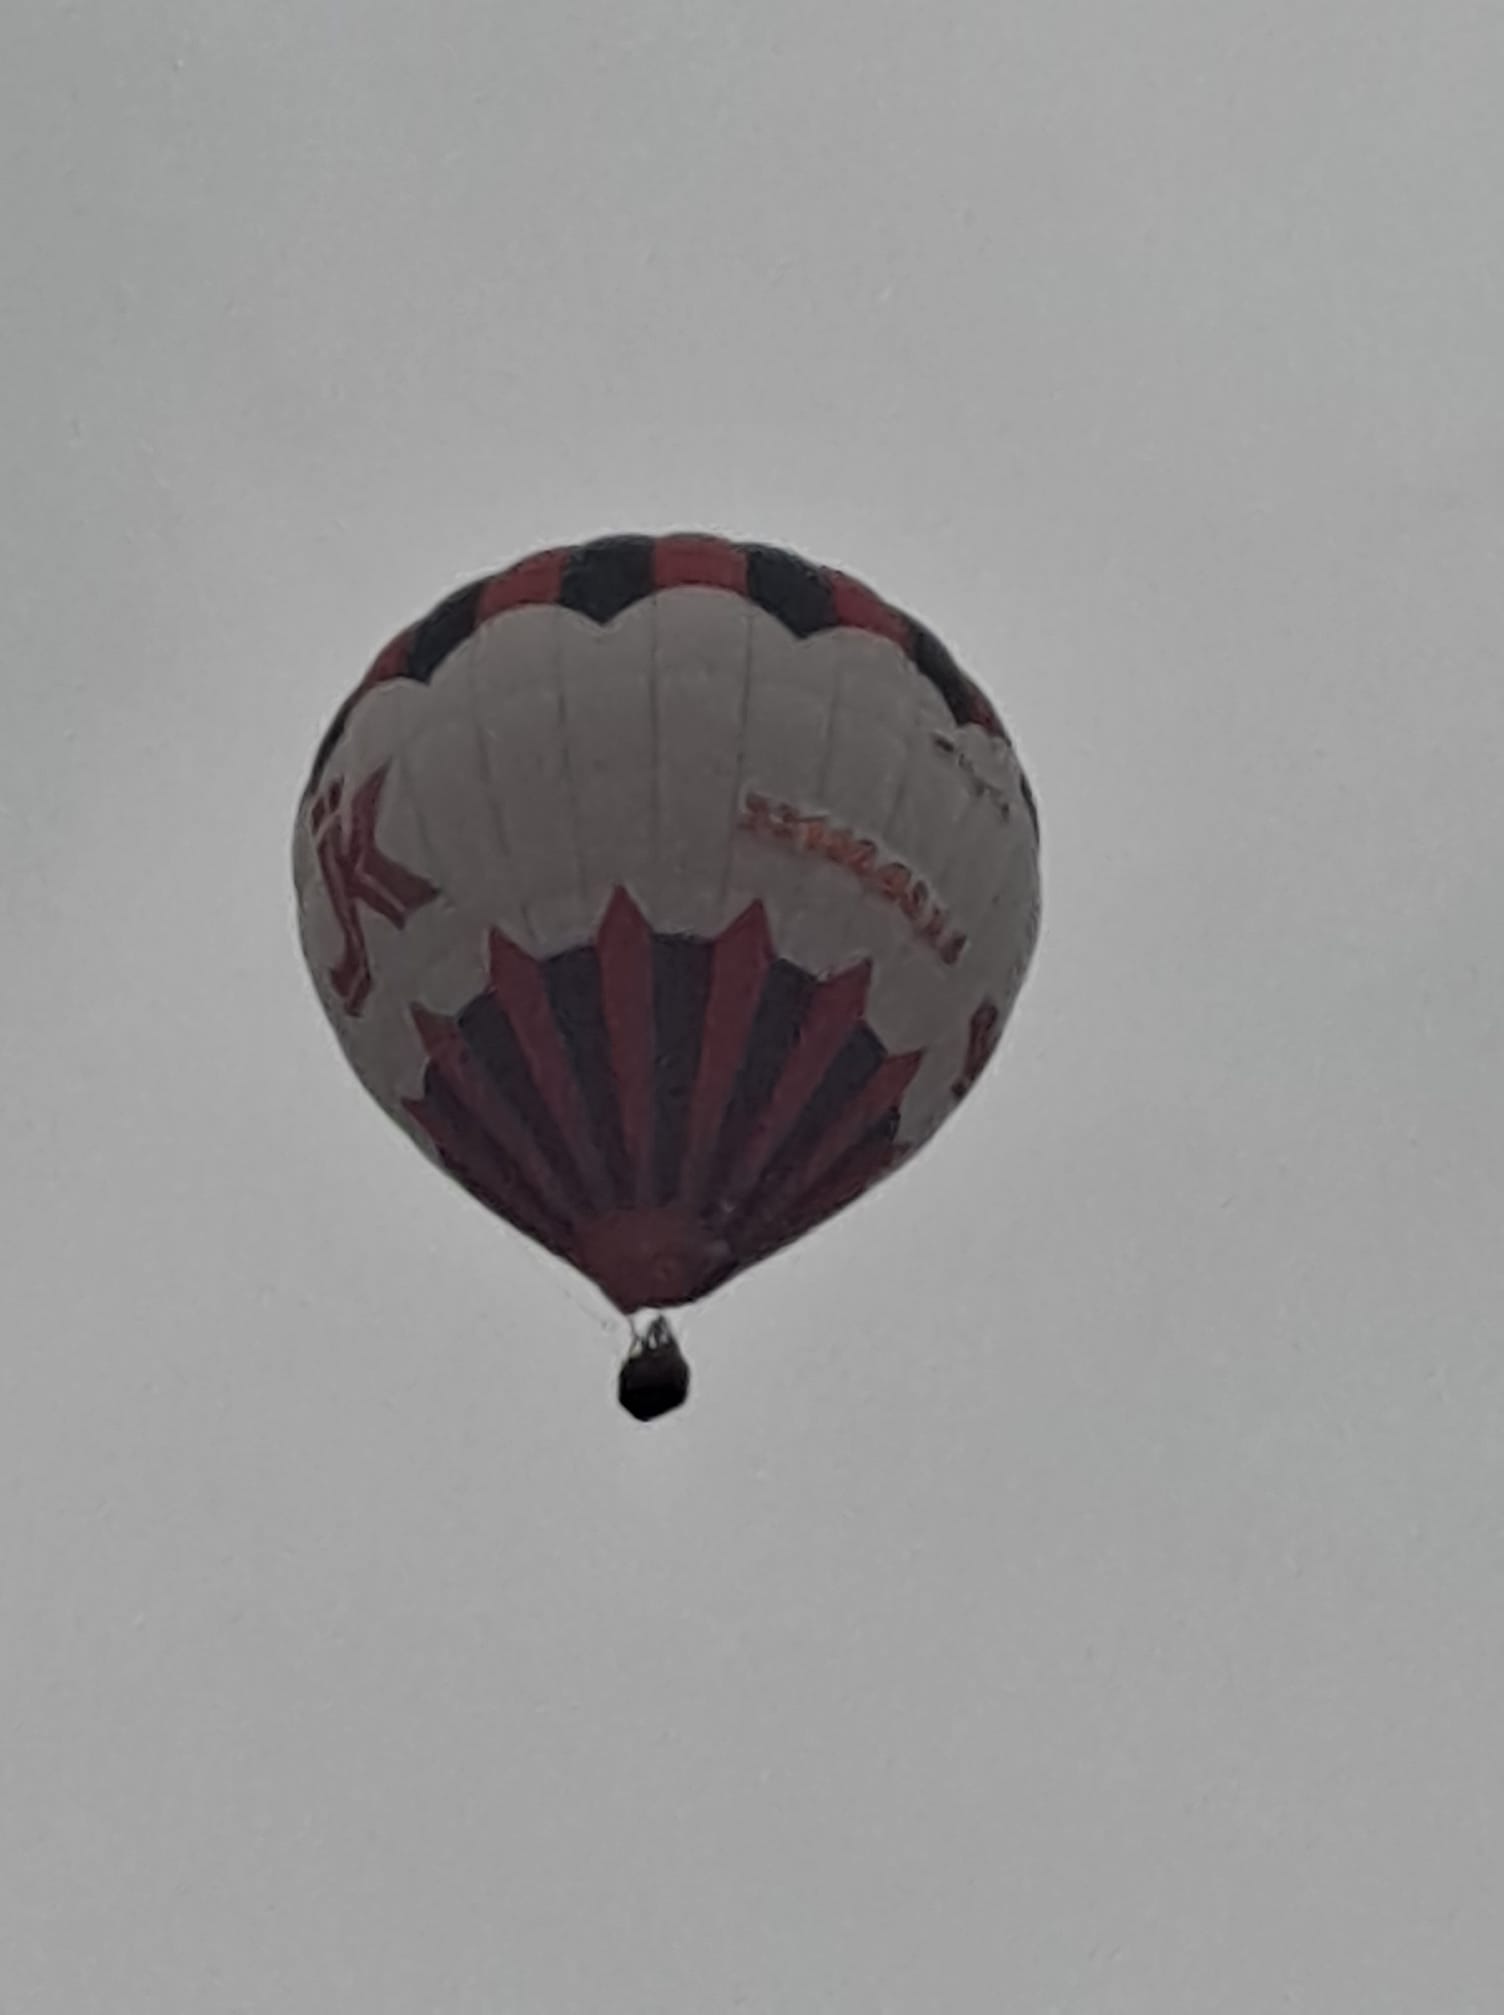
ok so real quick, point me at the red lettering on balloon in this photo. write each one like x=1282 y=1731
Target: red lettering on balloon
x=981 y=1041
x=896 y=883
x=359 y=876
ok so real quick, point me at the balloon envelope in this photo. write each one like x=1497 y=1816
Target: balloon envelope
x=669 y=893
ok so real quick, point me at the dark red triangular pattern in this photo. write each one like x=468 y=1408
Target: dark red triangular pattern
x=533 y=1120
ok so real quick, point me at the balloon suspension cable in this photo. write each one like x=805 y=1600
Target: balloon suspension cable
x=657 y=1331
x=597 y=1317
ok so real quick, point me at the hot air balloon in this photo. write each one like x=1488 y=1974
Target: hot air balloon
x=669 y=893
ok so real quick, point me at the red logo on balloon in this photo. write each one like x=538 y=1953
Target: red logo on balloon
x=981 y=1041
x=813 y=833
x=358 y=875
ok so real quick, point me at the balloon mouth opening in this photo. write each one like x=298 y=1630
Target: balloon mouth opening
x=651 y=1258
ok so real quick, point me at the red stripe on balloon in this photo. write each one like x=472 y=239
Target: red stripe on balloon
x=529 y=583
x=858 y=608
x=390 y=661
x=690 y=560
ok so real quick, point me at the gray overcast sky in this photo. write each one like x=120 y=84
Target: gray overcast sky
x=1078 y=1585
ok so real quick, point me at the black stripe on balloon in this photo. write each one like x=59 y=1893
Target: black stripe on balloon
x=849 y=1070
x=786 y=994
x=492 y=1041
x=791 y=589
x=681 y=987
x=1033 y=809
x=328 y=740
x=441 y=632
x=573 y=980
x=842 y=1183
x=608 y=575
x=468 y=1133
x=934 y=662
